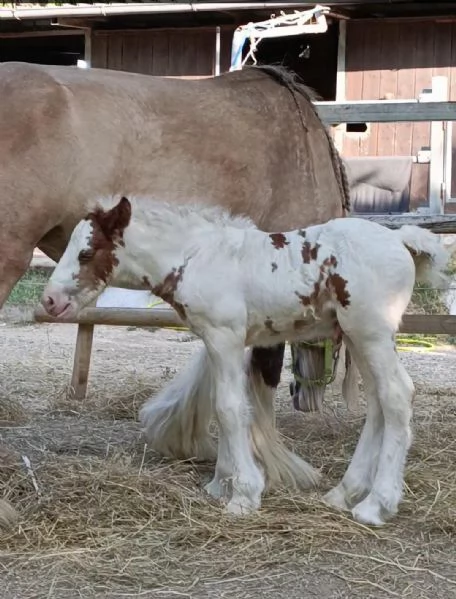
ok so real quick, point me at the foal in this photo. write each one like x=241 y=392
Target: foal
x=235 y=286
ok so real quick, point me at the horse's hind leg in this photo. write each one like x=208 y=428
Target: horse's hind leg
x=360 y=474
x=395 y=391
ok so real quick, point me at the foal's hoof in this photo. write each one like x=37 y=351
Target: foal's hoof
x=218 y=489
x=336 y=499
x=369 y=511
x=241 y=507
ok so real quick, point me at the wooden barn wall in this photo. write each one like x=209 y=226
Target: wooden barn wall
x=397 y=60
x=188 y=53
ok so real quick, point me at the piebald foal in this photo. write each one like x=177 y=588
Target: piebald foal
x=236 y=286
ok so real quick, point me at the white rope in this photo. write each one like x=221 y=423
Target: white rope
x=296 y=23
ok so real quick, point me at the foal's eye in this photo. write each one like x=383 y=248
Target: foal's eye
x=85 y=256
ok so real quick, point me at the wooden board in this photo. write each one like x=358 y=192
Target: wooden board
x=392 y=111
x=164 y=52
x=142 y=317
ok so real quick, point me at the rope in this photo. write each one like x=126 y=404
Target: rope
x=174 y=328
x=330 y=362
x=406 y=343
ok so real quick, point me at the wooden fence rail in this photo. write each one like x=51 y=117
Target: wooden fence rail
x=165 y=317
x=430 y=324
x=385 y=111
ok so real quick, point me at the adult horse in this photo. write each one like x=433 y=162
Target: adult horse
x=249 y=140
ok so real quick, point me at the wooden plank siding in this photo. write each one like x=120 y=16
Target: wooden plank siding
x=397 y=60
x=186 y=53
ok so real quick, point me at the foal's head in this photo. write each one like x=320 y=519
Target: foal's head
x=90 y=261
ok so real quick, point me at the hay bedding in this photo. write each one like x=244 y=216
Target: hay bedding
x=110 y=519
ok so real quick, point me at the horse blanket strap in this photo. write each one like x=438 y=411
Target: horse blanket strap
x=332 y=351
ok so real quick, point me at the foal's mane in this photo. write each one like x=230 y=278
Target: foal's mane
x=166 y=214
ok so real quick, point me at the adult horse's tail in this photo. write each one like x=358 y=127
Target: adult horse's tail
x=176 y=423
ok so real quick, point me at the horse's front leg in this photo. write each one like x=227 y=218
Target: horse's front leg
x=236 y=467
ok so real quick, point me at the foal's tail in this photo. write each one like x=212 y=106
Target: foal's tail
x=430 y=257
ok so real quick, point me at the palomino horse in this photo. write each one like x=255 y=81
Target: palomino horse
x=236 y=286
x=241 y=140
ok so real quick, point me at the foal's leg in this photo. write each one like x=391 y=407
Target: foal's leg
x=395 y=391
x=360 y=474
x=235 y=457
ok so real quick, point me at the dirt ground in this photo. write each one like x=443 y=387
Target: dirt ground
x=108 y=519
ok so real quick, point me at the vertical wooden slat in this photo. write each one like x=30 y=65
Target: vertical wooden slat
x=371 y=84
x=354 y=81
x=186 y=57
x=99 y=50
x=160 y=51
x=145 y=45
x=388 y=84
x=424 y=58
x=226 y=41
x=130 y=53
x=205 y=55
x=115 y=51
x=453 y=97
x=443 y=55
x=405 y=87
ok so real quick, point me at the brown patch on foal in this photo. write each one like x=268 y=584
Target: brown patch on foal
x=165 y=290
x=279 y=241
x=331 y=261
x=309 y=252
x=108 y=226
x=339 y=284
x=308 y=300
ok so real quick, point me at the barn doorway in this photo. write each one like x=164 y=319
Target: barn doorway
x=63 y=50
x=312 y=56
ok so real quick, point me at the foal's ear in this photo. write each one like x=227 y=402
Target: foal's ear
x=114 y=221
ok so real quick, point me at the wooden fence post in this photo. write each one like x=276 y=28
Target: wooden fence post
x=81 y=364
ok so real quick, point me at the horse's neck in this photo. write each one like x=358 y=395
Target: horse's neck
x=152 y=250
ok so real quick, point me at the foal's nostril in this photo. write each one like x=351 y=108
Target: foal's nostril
x=50 y=301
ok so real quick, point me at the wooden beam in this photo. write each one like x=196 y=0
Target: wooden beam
x=128 y=317
x=445 y=224
x=435 y=324
x=429 y=324
x=43 y=33
x=385 y=111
